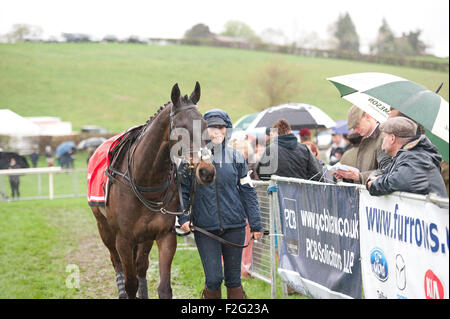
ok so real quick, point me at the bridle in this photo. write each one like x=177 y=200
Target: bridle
x=187 y=162
x=167 y=198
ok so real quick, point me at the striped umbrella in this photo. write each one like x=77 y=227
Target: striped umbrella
x=375 y=93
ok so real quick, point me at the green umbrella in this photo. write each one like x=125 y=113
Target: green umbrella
x=376 y=93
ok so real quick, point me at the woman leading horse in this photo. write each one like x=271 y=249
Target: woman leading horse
x=222 y=209
x=143 y=195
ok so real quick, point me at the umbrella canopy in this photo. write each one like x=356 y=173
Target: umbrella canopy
x=376 y=93
x=93 y=142
x=298 y=115
x=64 y=148
x=341 y=127
x=5 y=157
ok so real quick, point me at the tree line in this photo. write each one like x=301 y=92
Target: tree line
x=344 y=37
x=344 y=42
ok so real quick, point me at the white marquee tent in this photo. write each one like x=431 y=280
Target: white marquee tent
x=15 y=125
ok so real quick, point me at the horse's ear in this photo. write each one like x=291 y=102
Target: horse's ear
x=195 y=95
x=175 y=95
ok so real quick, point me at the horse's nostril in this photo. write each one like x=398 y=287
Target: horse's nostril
x=206 y=174
x=203 y=172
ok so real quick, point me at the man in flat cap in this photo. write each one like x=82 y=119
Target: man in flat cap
x=421 y=130
x=370 y=156
x=415 y=167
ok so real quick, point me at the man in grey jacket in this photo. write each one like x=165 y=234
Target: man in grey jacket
x=415 y=167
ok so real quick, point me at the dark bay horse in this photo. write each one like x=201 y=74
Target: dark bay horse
x=136 y=216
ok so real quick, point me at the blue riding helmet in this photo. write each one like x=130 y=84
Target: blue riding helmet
x=220 y=118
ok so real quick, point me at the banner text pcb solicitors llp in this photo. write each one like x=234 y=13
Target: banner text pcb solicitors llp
x=319 y=255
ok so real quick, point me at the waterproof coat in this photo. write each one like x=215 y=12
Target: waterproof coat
x=286 y=157
x=370 y=157
x=415 y=169
x=226 y=203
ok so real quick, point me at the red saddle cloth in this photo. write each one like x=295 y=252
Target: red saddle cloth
x=97 y=180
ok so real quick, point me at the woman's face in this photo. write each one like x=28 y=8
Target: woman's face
x=217 y=134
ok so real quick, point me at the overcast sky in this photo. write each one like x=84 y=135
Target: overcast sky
x=171 y=18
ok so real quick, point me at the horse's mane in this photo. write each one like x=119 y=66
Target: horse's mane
x=150 y=120
x=185 y=99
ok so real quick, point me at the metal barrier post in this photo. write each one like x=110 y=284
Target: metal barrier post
x=39 y=185
x=273 y=233
x=276 y=229
x=261 y=266
x=50 y=185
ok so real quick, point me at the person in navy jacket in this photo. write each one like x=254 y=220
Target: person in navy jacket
x=223 y=209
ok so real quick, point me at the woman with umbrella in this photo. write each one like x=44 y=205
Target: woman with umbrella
x=64 y=153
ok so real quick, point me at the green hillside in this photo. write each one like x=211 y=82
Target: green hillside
x=120 y=85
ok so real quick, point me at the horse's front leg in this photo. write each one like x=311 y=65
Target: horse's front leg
x=142 y=266
x=167 y=246
x=125 y=250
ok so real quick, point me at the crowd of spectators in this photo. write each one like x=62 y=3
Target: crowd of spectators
x=377 y=156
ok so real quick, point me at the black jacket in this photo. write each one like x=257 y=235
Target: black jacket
x=286 y=157
x=415 y=169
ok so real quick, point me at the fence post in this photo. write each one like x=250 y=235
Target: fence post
x=273 y=233
x=50 y=185
x=275 y=214
x=39 y=185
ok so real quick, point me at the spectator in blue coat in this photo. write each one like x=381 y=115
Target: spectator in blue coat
x=223 y=209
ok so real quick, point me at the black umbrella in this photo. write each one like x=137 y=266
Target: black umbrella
x=298 y=115
x=5 y=157
x=93 y=142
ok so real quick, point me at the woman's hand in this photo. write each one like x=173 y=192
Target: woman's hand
x=186 y=227
x=257 y=235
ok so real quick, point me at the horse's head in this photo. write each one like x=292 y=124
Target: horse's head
x=187 y=127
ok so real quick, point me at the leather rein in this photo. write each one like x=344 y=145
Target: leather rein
x=159 y=206
x=129 y=182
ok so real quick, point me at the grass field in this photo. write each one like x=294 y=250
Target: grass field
x=117 y=86
x=42 y=240
x=120 y=85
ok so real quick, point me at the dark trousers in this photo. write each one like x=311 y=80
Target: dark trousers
x=14 y=188
x=211 y=252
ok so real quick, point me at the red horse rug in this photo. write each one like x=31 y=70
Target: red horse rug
x=97 y=191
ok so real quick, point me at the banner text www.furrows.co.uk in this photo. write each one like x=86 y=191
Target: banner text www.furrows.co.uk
x=412 y=230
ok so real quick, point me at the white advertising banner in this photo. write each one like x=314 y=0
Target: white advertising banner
x=404 y=246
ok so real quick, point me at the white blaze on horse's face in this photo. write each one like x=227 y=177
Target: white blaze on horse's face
x=204 y=154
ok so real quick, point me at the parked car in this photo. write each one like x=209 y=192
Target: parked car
x=94 y=129
x=324 y=139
